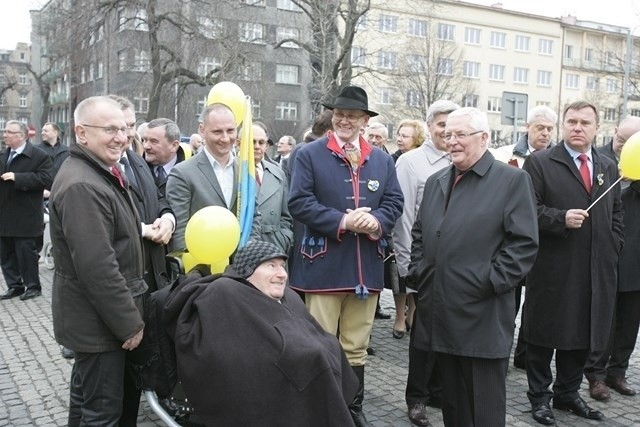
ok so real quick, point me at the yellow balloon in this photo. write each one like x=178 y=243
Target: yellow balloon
x=219 y=267
x=188 y=261
x=212 y=234
x=232 y=96
x=630 y=158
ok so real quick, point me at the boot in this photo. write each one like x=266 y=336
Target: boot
x=356 y=406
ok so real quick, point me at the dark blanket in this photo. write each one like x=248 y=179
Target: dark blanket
x=245 y=359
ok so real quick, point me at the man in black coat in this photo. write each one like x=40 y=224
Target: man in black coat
x=25 y=172
x=571 y=288
x=609 y=367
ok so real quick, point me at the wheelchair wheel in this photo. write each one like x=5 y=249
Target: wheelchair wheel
x=48 y=256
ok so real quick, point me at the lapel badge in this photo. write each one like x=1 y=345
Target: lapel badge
x=373 y=185
x=600 y=179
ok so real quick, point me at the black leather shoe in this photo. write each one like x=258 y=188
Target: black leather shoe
x=30 y=293
x=382 y=315
x=542 y=413
x=418 y=415
x=12 y=293
x=580 y=408
x=67 y=353
x=371 y=351
x=398 y=334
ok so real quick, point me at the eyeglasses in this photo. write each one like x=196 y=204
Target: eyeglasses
x=459 y=136
x=109 y=130
x=350 y=117
x=12 y=132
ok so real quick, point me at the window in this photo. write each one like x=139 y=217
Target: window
x=522 y=43
x=92 y=71
x=417 y=27
x=388 y=24
x=254 y=2
x=362 y=22
x=494 y=104
x=140 y=20
x=387 y=60
x=472 y=35
x=445 y=66
x=414 y=98
x=386 y=95
x=358 y=56
x=287 y=5
x=22 y=79
x=122 y=60
x=141 y=103
x=632 y=112
x=208 y=65
x=417 y=63
x=256 y=112
x=520 y=75
x=572 y=81
x=446 y=31
x=612 y=86
x=544 y=78
x=610 y=114
x=252 y=72
x=3 y=121
x=568 y=51
x=469 y=100
x=287 y=110
x=22 y=101
x=100 y=69
x=128 y=19
x=83 y=75
x=471 y=69
x=545 y=46
x=200 y=107
x=498 y=40
x=141 y=61
x=251 y=33
x=593 y=83
x=287 y=74
x=211 y=28
x=286 y=33
x=588 y=54
x=3 y=102
x=496 y=72
x=609 y=57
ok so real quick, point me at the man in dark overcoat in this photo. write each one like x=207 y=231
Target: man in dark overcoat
x=608 y=368
x=475 y=237
x=572 y=286
x=25 y=172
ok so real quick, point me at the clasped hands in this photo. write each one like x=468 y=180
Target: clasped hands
x=159 y=232
x=361 y=221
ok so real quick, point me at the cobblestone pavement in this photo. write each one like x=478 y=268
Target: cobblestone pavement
x=34 y=376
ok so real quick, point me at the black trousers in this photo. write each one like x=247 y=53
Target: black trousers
x=614 y=361
x=474 y=391
x=102 y=390
x=569 y=369
x=19 y=261
x=423 y=379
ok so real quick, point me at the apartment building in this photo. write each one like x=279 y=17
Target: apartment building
x=413 y=52
x=16 y=90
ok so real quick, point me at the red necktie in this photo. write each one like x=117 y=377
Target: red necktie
x=584 y=171
x=258 y=180
x=116 y=172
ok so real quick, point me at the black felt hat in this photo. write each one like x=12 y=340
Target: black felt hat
x=352 y=98
x=249 y=257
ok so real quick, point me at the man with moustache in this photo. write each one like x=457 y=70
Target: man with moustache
x=469 y=252
x=570 y=310
x=162 y=150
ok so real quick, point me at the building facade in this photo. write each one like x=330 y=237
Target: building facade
x=16 y=89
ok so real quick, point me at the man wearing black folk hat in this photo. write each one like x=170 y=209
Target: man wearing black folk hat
x=346 y=194
x=249 y=353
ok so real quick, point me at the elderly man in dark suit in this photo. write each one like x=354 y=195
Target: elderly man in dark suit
x=608 y=368
x=572 y=286
x=468 y=254
x=162 y=150
x=25 y=172
x=346 y=194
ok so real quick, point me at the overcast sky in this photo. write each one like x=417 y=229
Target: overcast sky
x=16 y=23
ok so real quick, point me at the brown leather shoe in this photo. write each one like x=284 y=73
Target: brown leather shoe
x=599 y=390
x=620 y=385
x=418 y=415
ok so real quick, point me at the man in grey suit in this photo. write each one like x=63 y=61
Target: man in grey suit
x=207 y=179
x=273 y=193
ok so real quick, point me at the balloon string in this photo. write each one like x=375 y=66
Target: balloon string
x=602 y=195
